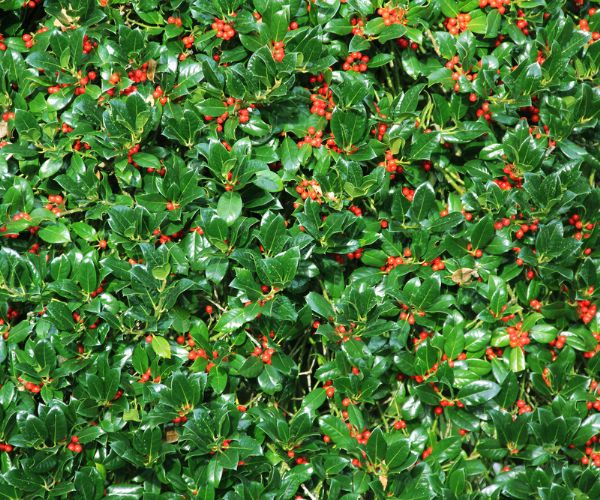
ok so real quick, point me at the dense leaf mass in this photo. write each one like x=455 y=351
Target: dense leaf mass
x=259 y=249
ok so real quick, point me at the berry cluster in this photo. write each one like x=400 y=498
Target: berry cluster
x=310 y=189
x=590 y=354
x=362 y=437
x=188 y=41
x=517 y=337
x=330 y=144
x=98 y=290
x=243 y=113
x=461 y=357
x=17 y=217
x=355 y=210
x=313 y=138
x=399 y=424
x=379 y=131
x=392 y=262
x=558 y=342
x=408 y=193
x=83 y=81
x=264 y=354
x=458 y=24
x=457 y=71
x=493 y=352
x=229 y=184
x=21 y=215
x=584 y=25
x=405 y=43
x=500 y=224
x=522 y=23
x=358 y=26
x=322 y=101
x=511 y=175
x=583 y=229
x=278 y=51
x=525 y=228
x=74 y=445
x=539 y=133
x=181 y=419
x=148 y=374
x=591 y=455
x=159 y=94
x=201 y=354
x=329 y=389
x=495 y=4
x=298 y=460
x=408 y=316
x=182 y=340
x=6 y=447
x=476 y=253
x=55 y=202
x=66 y=128
x=139 y=75
x=223 y=28
x=165 y=238
x=133 y=150
x=536 y=305
x=530 y=113
x=392 y=15
x=174 y=20
x=438 y=410
x=31 y=387
x=436 y=264
x=506 y=318
x=11 y=314
x=55 y=88
x=523 y=407
x=586 y=310
x=484 y=111
x=593 y=405
x=356 y=255
x=391 y=164
x=28 y=39
x=434 y=368
x=499 y=40
x=356 y=62
x=88 y=45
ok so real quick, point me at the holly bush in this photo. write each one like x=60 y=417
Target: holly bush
x=299 y=248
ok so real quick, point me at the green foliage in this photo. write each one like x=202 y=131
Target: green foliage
x=298 y=248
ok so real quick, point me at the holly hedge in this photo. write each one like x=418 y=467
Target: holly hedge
x=259 y=249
